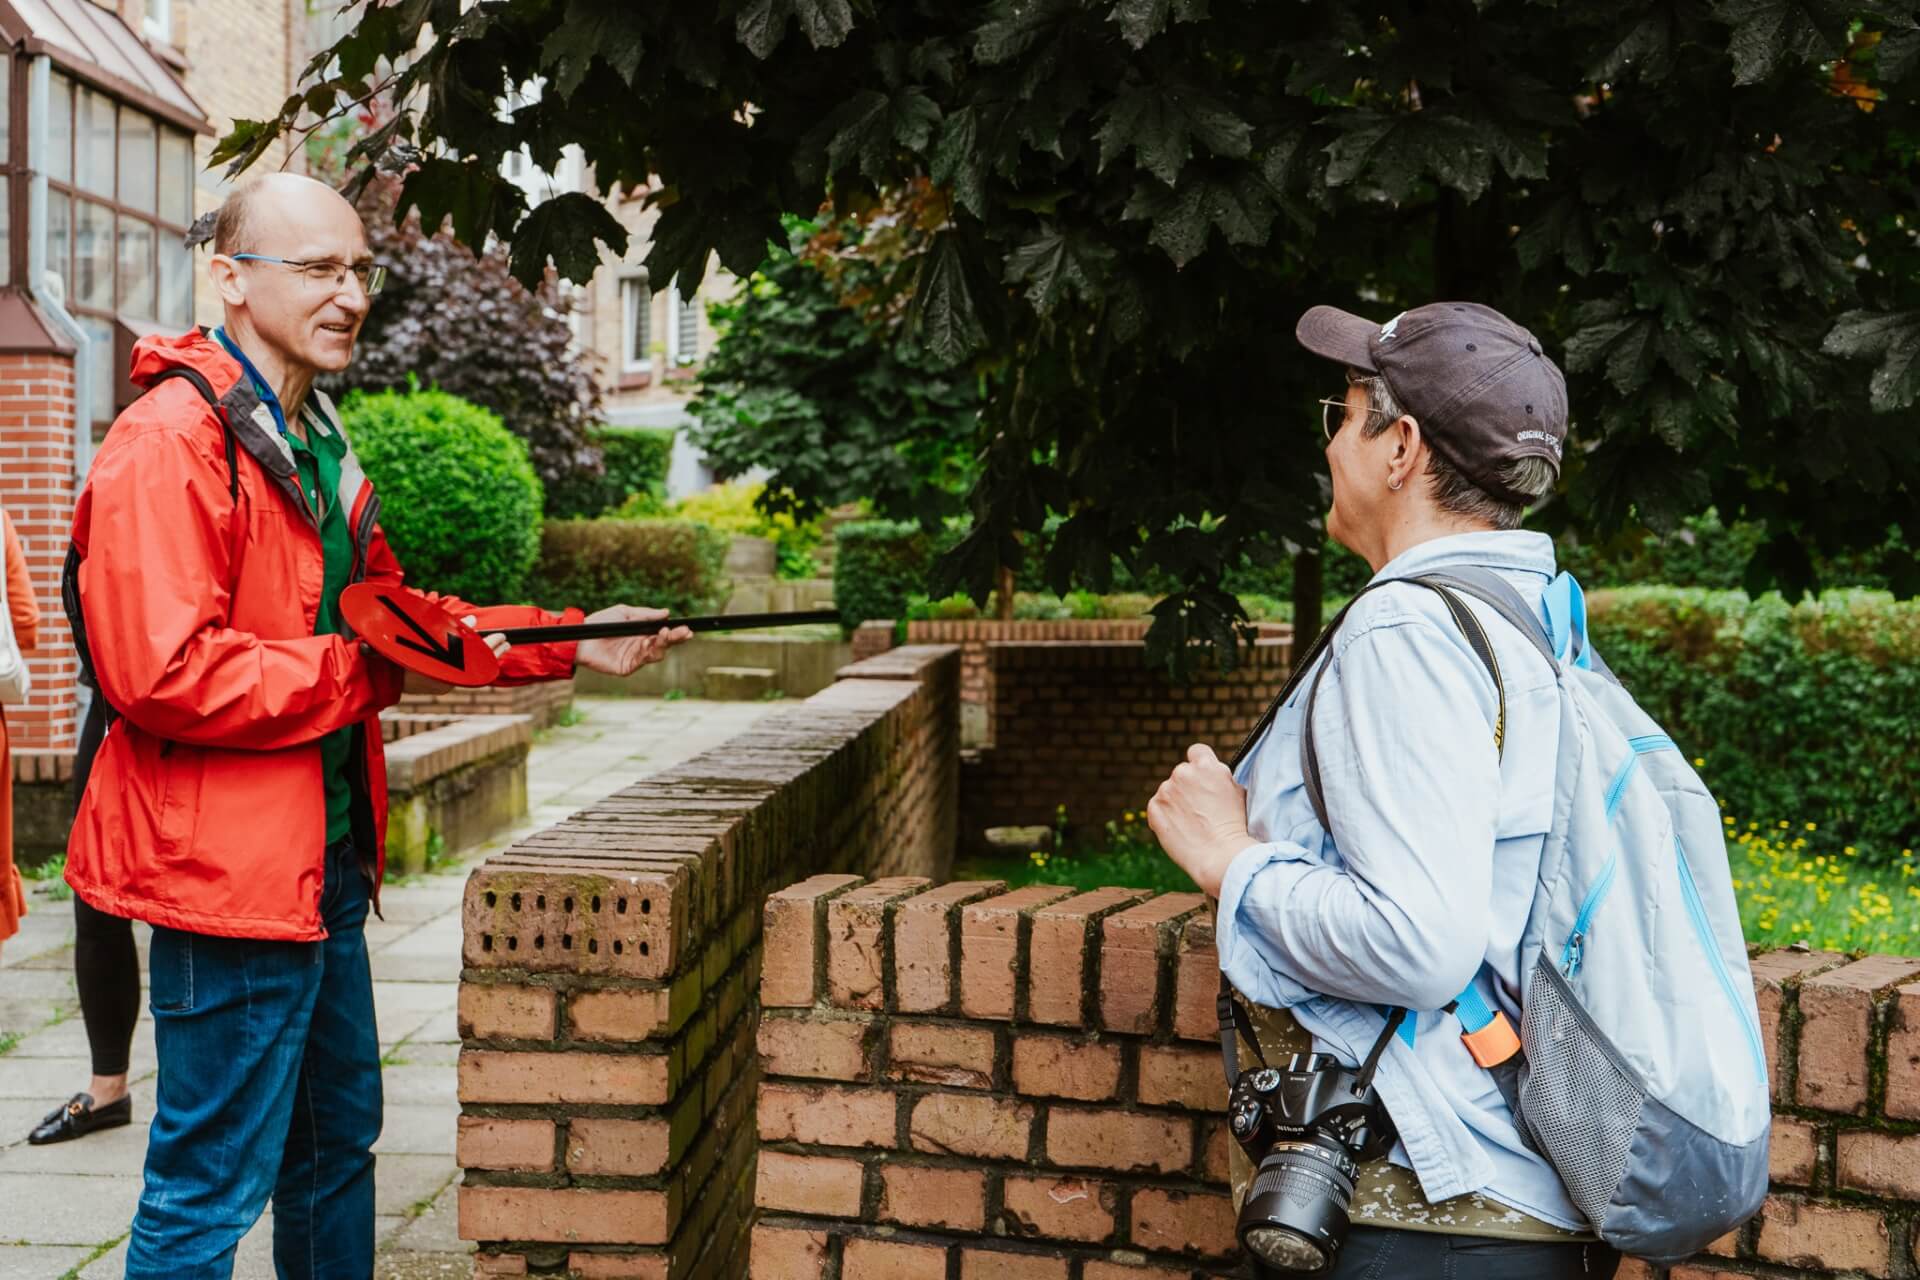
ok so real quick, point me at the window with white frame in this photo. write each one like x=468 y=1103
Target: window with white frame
x=158 y=23
x=636 y=325
x=119 y=201
x=683 y=328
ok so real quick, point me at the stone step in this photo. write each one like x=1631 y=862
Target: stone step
x=737 y=684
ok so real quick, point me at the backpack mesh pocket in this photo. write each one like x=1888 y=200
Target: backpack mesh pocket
x=1581 y=1102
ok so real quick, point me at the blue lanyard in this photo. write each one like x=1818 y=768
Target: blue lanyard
x=260 y=385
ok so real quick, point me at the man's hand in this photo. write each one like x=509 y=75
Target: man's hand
x=427 y=685
x=1200 y=815
x=624 y=656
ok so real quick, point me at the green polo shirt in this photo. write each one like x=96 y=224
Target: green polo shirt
x=317 y=463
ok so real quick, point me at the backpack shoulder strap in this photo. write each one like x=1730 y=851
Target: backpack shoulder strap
x=1494 y=591
x=199 y=383
x=1477 y=639
x=1498 y=594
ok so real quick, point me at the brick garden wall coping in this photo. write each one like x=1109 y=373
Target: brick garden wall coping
x=958 y=1080
x=608 y=1008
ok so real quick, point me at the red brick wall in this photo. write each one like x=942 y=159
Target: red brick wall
x=963 y=1081
x=975 y=636
x=1090 y=725
x=543 y=701
x=1009 y=1084
x=37 y=490
x=608 y=1009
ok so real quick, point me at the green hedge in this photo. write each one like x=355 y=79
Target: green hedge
x=459 y=500
x=1706 y=552
x=1802 y=713
x=668 y=564
x=879 y=566
x=636 y=461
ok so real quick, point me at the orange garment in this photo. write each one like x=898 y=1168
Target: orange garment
x=26 y=625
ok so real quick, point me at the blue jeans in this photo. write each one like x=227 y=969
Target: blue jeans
x=269 y=1086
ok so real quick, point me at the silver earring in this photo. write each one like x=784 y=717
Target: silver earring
x=1394 y=486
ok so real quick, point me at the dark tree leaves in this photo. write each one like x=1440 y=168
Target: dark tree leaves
x=1691 y=204
x=563 y=229
x=592 y=29
x=1893 y=340
x=942 y=316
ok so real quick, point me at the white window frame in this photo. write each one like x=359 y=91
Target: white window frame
x=675 y=305
x=642 y=307
x=158 y=22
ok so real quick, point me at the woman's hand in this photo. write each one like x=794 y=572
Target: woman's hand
x=627 y=654
x=1200 y=816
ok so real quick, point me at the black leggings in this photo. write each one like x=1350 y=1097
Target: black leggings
x=106 y=968
x=106 y=965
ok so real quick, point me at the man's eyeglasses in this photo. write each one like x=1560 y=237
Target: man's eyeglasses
x=332 y=275
x=1334 y=412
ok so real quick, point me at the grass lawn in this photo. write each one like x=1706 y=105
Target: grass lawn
x=1795 y=886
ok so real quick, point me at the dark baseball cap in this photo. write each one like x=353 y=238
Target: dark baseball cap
x=1479 y=385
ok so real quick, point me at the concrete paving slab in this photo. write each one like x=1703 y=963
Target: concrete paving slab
x=437 y=1230
x=400 y=1008
x=38 y=1261
x=407 y=1184
x=55 y=1079
x=419 y=1083
x=418 y=1129
x=67 y=1208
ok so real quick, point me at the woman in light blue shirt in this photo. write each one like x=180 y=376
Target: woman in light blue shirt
x=1452 y=425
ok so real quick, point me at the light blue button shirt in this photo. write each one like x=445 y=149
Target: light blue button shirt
x=1429 y=873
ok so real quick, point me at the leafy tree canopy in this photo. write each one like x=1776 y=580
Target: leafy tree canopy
x=1706 y=207
x=807 y=382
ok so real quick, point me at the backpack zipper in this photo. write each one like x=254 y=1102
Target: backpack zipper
x=1572 y=955
x=1690 y=893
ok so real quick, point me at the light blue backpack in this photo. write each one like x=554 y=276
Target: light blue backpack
x=1641 y=1076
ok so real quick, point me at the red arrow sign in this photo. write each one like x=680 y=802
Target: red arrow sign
x=414 y=632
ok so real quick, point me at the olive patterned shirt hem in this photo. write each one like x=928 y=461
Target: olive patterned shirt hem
x=317 y=461
x=1386 y=1194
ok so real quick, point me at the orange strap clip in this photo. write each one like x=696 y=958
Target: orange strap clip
x=1494 y=1043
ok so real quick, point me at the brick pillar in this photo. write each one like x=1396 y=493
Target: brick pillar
x=37 y=490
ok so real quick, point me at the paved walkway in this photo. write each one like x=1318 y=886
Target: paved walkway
x=65 y=1209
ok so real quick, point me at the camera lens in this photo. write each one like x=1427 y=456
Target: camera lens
x=1295 y=1216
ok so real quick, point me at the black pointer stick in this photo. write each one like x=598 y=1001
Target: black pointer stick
x=610 y=630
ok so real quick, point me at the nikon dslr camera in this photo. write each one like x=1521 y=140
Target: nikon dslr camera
x=1307 y=1128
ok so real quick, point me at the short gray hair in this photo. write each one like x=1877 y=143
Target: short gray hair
x=1451 y=489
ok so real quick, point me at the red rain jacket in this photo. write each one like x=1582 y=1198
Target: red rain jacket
x=206 y=810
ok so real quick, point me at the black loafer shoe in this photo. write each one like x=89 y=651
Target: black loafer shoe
x=79 y=1118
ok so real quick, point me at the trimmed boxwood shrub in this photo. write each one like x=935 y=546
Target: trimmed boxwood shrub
x=636 y=461
x=1804 y=712
x=459 y=500
x=676 y=565
x=879 y=566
